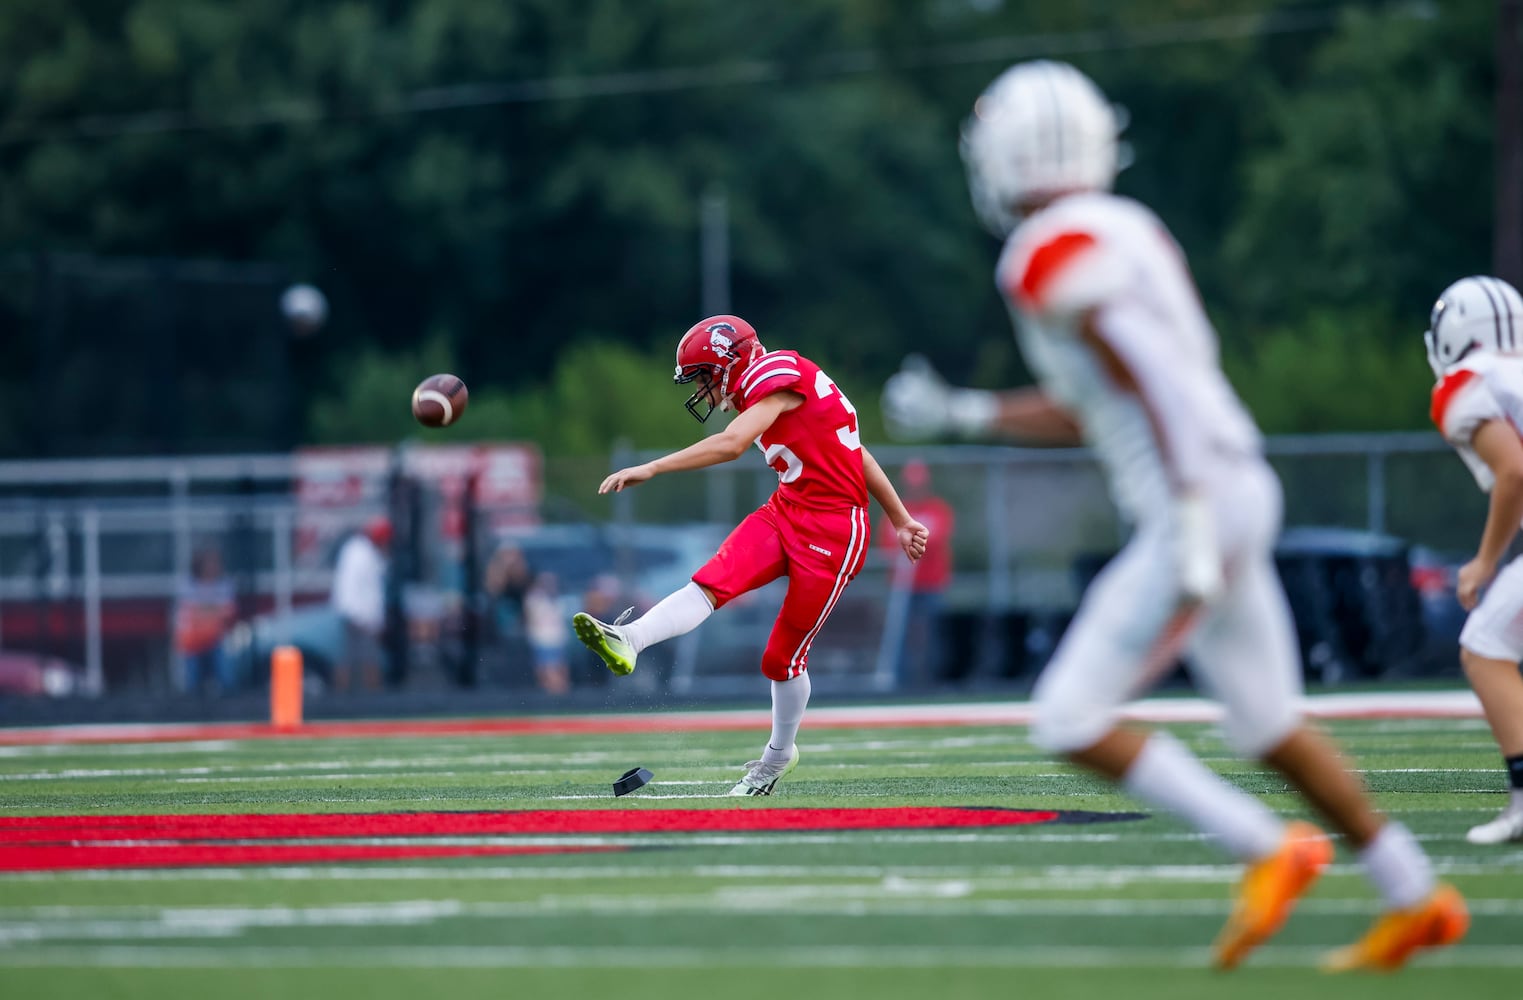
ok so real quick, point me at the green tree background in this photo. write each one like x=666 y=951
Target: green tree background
x=511 y=191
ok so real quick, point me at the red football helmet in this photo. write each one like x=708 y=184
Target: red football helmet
x=715 y=351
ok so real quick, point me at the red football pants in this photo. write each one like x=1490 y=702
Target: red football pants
x=820 y=551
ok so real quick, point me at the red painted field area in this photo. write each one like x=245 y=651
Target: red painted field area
x=47 y=843
x=43 y=843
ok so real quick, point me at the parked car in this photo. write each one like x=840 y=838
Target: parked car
x=315 y=629
x=27 y=675
x=1435 y=576
x=1357 y=611
x=654 y=559
x=641 y=564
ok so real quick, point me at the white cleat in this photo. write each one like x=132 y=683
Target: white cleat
x=761 y=776
x=1506 y=827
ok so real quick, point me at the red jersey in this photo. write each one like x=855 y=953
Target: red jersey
x=815 y=447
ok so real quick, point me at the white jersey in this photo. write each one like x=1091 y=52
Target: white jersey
x=1486 y=387
x=1098 y=253
x=359 y=583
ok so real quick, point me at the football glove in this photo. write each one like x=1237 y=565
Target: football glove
x=918 y=404
x=1197 y=558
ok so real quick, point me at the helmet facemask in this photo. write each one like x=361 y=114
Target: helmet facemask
x=715 y=353
x=703 y=394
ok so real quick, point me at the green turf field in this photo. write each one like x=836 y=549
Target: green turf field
x=1125 y=909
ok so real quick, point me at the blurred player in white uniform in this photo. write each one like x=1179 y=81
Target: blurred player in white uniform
x=1109 y=320
x=1475 y=345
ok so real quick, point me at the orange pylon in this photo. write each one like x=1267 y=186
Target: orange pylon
x=285 y=687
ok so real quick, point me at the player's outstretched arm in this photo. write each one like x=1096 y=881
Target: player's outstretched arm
x=913 y=536
x=918 y=404
x=1497 y=444
x=726 y=446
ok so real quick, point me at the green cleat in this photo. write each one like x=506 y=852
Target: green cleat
x=607 y=641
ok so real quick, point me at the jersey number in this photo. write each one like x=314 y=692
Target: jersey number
x=782 y=458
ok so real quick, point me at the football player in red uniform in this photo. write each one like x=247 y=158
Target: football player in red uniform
x=814 y=529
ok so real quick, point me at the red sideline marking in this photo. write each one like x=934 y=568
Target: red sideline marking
x=61 y=829
x=22 y=859
x=1458 y=703
x=552 y=725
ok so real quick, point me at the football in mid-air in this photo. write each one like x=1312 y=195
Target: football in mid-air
x=439 y=400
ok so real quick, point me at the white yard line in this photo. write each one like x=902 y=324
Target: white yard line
x=1000 y=955
x=887 y=899
x=1060 y=877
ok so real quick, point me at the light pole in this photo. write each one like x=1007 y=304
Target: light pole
x=1507 y=247
x=714 y=250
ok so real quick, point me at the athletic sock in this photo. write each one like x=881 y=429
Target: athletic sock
x=677 y=613
x=1397 y=866
x=1515 y=780
x=789 y=699
x=1167 y=775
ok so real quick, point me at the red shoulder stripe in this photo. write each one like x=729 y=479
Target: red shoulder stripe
x=1048 y=260
x=1444 y=393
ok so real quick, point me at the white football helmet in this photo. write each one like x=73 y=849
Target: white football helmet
x=1478 y=313
x=1041 y=128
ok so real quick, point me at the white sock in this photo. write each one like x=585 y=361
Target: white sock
x=676 y=613
x=1167 y=775
x=788 y=701
x=1401 y=872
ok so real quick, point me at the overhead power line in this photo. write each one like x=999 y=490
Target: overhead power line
x=303 y=111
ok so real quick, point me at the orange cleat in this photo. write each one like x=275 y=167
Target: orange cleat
x=1269 y=890
x=1439 y=920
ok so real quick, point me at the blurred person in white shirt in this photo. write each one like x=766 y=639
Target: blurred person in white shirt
x=359 y=597
x=1108 y=319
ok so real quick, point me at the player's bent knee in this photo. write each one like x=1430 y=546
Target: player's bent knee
x=1064 y=725
x=1482 y=668
x=776 y=668
x=1256 y=738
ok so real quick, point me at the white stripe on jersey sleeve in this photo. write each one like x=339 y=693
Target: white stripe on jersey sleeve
x=770 y=366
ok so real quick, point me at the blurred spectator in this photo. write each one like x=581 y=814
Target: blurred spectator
x=604 y=597
x=919 y=654
x=507 y=581
x=606 y=594
x=545 y=623
x=205 y=608
x=359 y=597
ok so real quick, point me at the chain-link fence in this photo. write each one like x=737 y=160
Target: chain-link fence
x=93 y=553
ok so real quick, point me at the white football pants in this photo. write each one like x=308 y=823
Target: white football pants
x=1494 y=628
x=1241 y=649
